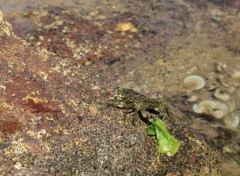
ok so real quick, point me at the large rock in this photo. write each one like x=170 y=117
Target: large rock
x=55 y=120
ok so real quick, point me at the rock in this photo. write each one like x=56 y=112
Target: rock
x=55 y=120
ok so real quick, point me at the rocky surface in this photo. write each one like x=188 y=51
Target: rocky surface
x=147 y=45
x=55 y=121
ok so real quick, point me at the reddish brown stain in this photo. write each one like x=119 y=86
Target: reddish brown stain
x=9 y=127
x=40 y=107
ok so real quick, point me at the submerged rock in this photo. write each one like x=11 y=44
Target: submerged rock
x=54 y=120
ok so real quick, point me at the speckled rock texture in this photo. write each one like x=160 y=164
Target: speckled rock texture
x=55 y=120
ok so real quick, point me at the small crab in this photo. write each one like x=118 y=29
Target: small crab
x=146 y=108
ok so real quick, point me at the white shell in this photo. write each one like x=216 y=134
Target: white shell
x=221 y=67
x=236 y=74
x=192 y=98
x=197 y=109
x=218 y=114
x=236 y=95
x=222 y=81
x=232 y=121
x=231 y=103
x=194 y=82
x=212 y=107
x=204 y=106
x=221 y=95
x=220 y=110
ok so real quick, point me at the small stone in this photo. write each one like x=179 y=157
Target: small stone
x=126 y=27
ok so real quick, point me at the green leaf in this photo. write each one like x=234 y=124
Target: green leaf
x=166 y=143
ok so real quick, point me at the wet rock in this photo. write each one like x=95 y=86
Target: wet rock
x=55 y=121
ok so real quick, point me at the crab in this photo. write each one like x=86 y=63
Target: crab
x=146 y=108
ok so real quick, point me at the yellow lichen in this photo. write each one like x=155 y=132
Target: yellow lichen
x=36 y=100
x=106 y=117
x=43 y=75
x=30 y=133
x=5 y=105
x=93 y=109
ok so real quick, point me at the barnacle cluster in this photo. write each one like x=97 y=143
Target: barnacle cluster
x=223 y=95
